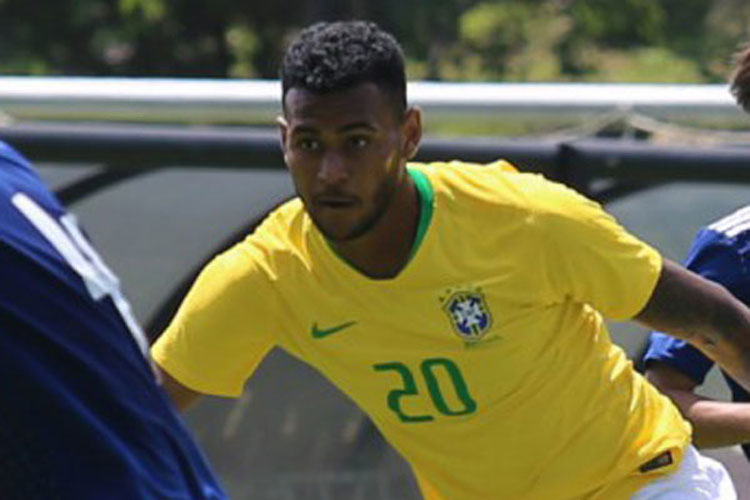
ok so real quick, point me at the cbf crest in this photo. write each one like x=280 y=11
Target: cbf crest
x=468 y=313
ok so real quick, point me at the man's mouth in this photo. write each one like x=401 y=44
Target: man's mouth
x=335 y=201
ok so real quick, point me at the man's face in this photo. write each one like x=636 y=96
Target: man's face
x=346 y=152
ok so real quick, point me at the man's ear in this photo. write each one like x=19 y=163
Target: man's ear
x=412 y=128
x=283 y=131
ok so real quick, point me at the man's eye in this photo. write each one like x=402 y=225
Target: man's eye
x=308 y=144
x=359 y=141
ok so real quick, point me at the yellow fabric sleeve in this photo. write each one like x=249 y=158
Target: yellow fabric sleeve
x=591 y=258
x=223 y=328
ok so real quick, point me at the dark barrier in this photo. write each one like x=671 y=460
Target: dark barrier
x=127 y=149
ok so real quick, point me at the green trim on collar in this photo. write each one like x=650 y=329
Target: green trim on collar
x=426 y=200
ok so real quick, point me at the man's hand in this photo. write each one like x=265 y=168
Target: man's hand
x=715 y=423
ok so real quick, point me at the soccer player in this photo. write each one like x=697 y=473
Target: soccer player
x=460 y=306
x=81 y=414
x=720 y=253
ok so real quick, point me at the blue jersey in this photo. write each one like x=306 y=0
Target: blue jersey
x=81 y=414
x=721 y=253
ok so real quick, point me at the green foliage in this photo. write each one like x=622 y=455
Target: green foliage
x=243 y=44
x=151 y=11
x=508 y=40
x=620 y=23
x=649 y=64
x=496 y=26
x=516 y=41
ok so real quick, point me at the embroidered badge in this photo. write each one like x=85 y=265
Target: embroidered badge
x=468 y=313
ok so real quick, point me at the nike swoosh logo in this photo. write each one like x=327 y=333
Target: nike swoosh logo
x=319 y=334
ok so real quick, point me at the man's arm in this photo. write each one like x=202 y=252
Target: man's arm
x=715 y=423
x=218 y=336
x=182 y=397
x=704 y=314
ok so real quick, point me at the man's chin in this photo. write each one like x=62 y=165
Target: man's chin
x=337 y=235
x=332 y=232
x=340 y=233
x=343 y=227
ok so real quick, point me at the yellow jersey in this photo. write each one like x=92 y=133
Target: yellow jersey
x=485 y=362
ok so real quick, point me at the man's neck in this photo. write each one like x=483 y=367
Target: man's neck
x=386 y=249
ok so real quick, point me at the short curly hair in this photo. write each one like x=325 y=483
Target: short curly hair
x=739 y=82
x=328 y=57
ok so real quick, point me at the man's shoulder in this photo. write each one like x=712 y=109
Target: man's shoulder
x=17 y=175
x=501 y=185
x=25 y=202
x=725 y=237
x=457 y=173
x=9 y=155
x=286 y=215
x=733 y=225
x=282 y=232
x=498 y=182
x=14 y=168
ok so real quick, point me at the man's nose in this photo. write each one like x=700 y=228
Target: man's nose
x=333 y=168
